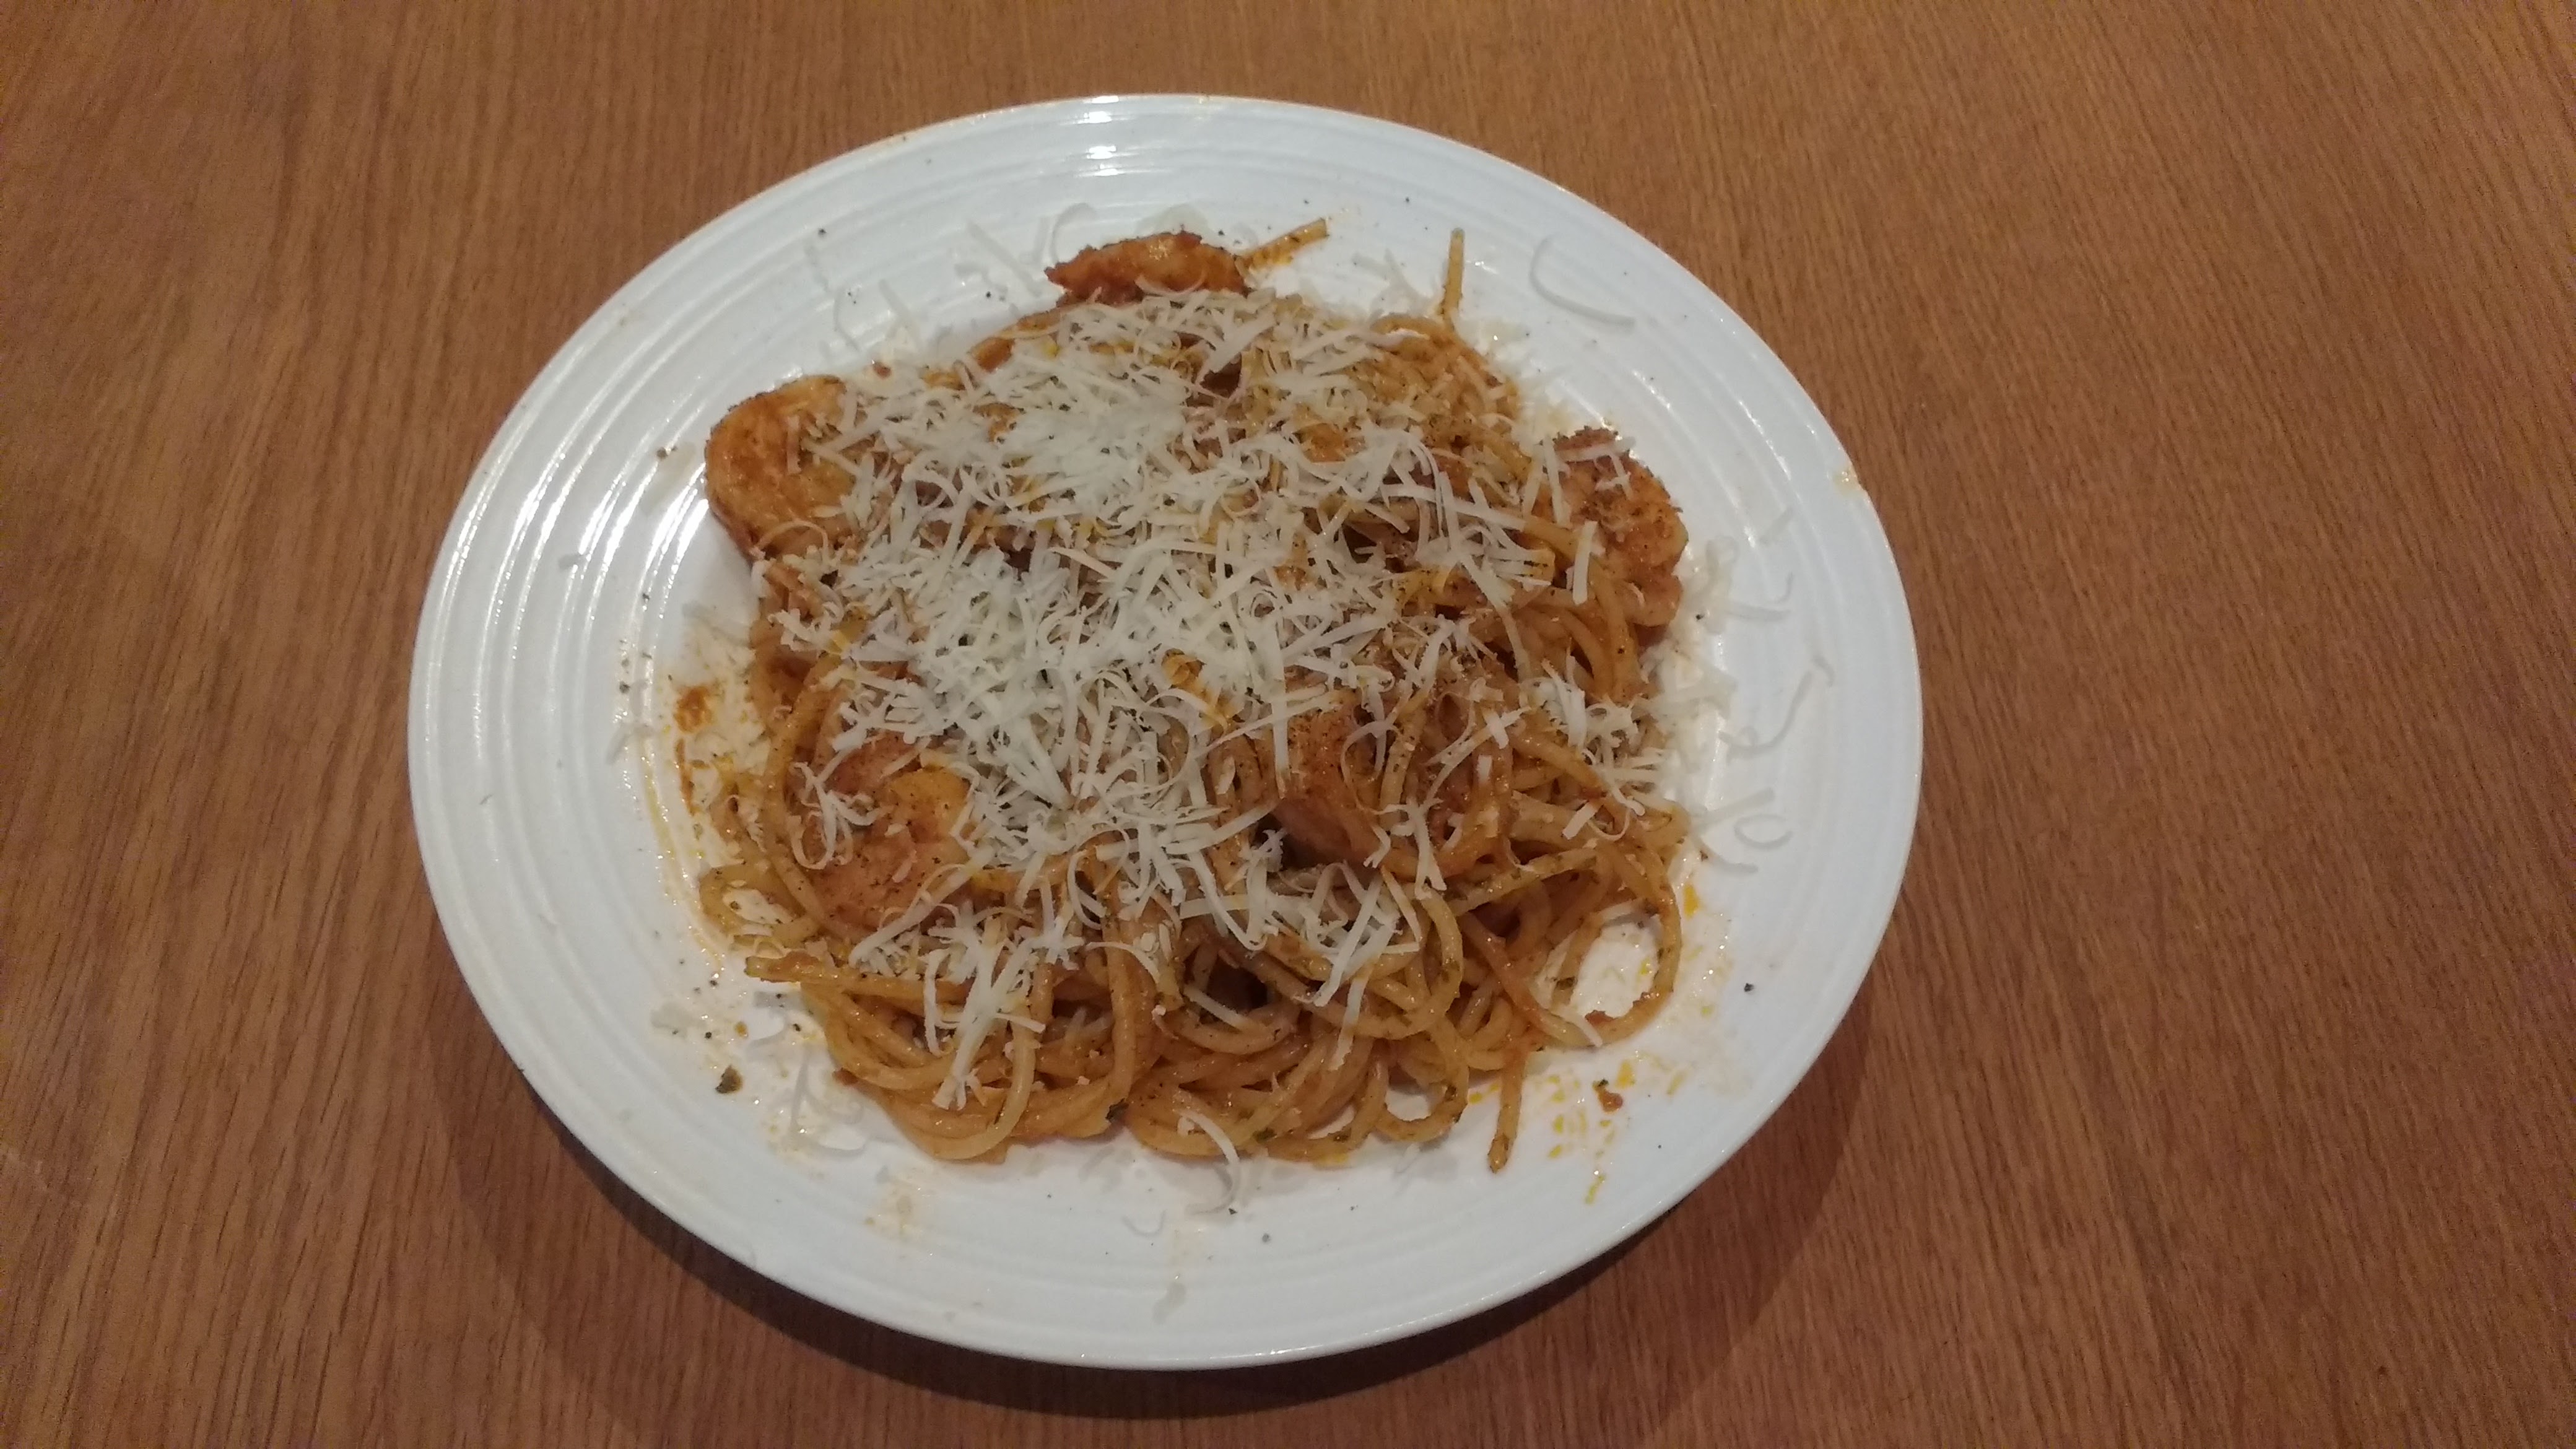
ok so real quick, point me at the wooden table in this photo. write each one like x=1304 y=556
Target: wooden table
x=2209 y=362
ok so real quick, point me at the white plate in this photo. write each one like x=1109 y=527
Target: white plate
x=567 y=594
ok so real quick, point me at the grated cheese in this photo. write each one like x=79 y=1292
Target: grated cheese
x=1072 y=581
x=1191 y=1117
x=1581 y=817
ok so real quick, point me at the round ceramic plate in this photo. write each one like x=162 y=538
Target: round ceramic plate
x=582 y=584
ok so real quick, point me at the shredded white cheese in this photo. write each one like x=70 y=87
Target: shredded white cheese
x=1075 y=579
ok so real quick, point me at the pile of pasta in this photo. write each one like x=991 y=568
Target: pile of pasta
x=1192 y=709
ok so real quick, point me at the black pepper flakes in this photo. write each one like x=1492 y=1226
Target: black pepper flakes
x=729 y=1083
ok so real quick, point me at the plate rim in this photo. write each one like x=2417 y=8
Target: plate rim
x=475 y=955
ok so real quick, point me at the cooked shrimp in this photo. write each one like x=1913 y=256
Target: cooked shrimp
x=1640 y=527
x=908 y=849
x=1171 y=261
x=1320 y=804
x=764 y=483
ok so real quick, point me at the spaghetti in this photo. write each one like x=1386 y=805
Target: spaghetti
x=1193 y=709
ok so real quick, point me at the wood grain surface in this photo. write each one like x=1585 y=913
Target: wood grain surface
x=2210 y=364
